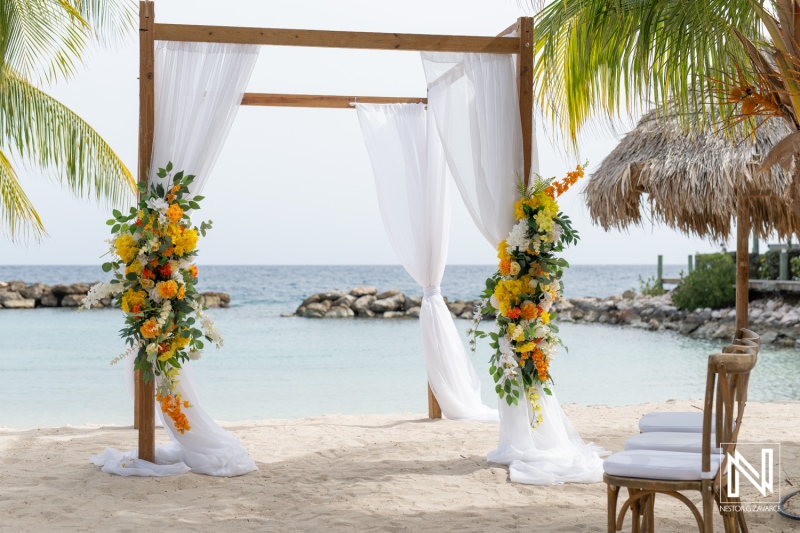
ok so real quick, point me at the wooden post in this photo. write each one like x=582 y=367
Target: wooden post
x=525 y=91
x=742 y=259
x=755 y=243
x=434 y=411
x=145 y=392
x=691 y=264
x=783 y=272
x=660 y=272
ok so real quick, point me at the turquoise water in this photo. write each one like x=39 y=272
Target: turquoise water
x=54 y=362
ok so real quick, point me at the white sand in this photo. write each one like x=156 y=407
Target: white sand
x=397 y=472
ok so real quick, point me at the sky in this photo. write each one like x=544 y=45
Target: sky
x=295 y=186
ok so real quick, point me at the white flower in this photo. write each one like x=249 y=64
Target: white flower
x=98 y=292
x=495 y=303
x=541 y=331
x=515 y=268
x=152 y=348
x=518 y=237
x=557 y=231
x=194 y=355
x=555 y=285
x=505 y=345
x=153 y=294
x=158 y=204
x=534 y=283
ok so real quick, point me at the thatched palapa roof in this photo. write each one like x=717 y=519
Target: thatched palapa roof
x=690 y=181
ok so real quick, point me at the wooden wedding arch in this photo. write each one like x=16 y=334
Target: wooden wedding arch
x=150 y=32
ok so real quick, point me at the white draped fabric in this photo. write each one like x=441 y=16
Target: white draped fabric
x=473 y=98
x=198 y=90
x=414 y=198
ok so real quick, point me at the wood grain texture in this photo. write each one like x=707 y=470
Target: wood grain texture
x=434 y=410
x=336 y=39
x=144 y=395
x=742 y=260
x=323 y=101
x=525 y=90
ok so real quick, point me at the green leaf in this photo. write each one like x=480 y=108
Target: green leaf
x=107 y=267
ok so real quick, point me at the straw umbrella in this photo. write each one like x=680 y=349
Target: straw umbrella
x=696 y=182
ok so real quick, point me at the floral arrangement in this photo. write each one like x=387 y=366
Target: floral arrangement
x=152 y=250
x=523 y=290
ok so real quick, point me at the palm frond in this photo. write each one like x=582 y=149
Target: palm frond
x=18 y=218
x=48 y=134
x=43 y=40
x=603 y=58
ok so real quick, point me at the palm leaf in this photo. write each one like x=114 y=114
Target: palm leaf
x=17 y=216
x=603 y=58
x=45 y=132
x=43 y=40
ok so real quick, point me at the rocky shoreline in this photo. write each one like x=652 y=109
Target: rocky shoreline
x=777 y=321
x=21 y=295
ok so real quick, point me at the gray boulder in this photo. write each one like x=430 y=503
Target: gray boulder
x=316 y=310
x=314 y=298
x=34 y=291
x=331 y=295
x=79 y=288
x=16 y=286
x=387 y=294
x=363 y=303
x=394 y=314
x=365 y=313
x=412 y=301
x=8 y=296
x=457 y=307
x=22 y=303
x=363 y=290
x=345 y=301
x=339 y=311
x=49 y=299
x=413 y=312
x=72 y=300
x=392 y=303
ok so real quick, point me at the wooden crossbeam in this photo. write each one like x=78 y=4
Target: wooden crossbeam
x=323 y=101
x=336 y=39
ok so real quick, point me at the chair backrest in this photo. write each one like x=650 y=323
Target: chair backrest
x=746 y=334
x=726 y=387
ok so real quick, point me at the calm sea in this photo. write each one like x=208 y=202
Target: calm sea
x=54 y=362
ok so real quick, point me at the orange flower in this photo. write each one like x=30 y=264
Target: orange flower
x=513 y=313
x=148 y=274
x=529 y=310
x=165 y=271
x=182 y=292
x=172 y=407
x=193 y=270
x=149 y=329
x=168 y=251
x=136 y=309
x=505 y=266
x=174 y=213
x=167 y=289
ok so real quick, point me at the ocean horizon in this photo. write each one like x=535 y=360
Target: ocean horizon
x=54 y=367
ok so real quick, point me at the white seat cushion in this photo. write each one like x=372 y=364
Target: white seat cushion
x=685 y=422
x=655 y=464
x=670 y=441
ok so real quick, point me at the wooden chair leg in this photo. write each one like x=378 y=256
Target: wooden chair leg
x=613 y=496
x=636 y=513
x=708 y=508
x=740 y=520
x=650 y=513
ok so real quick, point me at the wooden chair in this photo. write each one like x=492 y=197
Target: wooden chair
x=692 y=422
x=645 y=473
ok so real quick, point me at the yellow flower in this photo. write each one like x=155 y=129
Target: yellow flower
x=527 y=347
x=135 y=267
x=132 y=298
x=126 y=248
x=174 y=213
x=182 y=292
x=149 y=329
x=544 y=317
x=172 y=230
x=544 y=221
x=519 y=211
x=502 y=252
x=516 y=332
x=507 y=292
x=167 y=289
x=185 y=243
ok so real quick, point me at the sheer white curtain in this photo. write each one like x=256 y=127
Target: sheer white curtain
x=414 y=198
x=474 y=101
x=198 y=90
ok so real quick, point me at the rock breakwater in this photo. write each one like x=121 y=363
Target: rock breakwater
x=21 y=295
x=367 y=302
x=776 y=320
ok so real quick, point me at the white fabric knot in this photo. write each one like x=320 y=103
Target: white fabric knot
x=427 y=292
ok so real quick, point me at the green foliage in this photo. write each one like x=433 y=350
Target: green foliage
x=794 y=266
x=712 y=284
x=44 y=40
x=650 y=286
x=595 y=57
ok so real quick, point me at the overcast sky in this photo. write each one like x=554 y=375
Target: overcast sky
x=294 y=186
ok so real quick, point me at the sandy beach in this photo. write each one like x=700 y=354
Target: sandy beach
x=399 y=472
